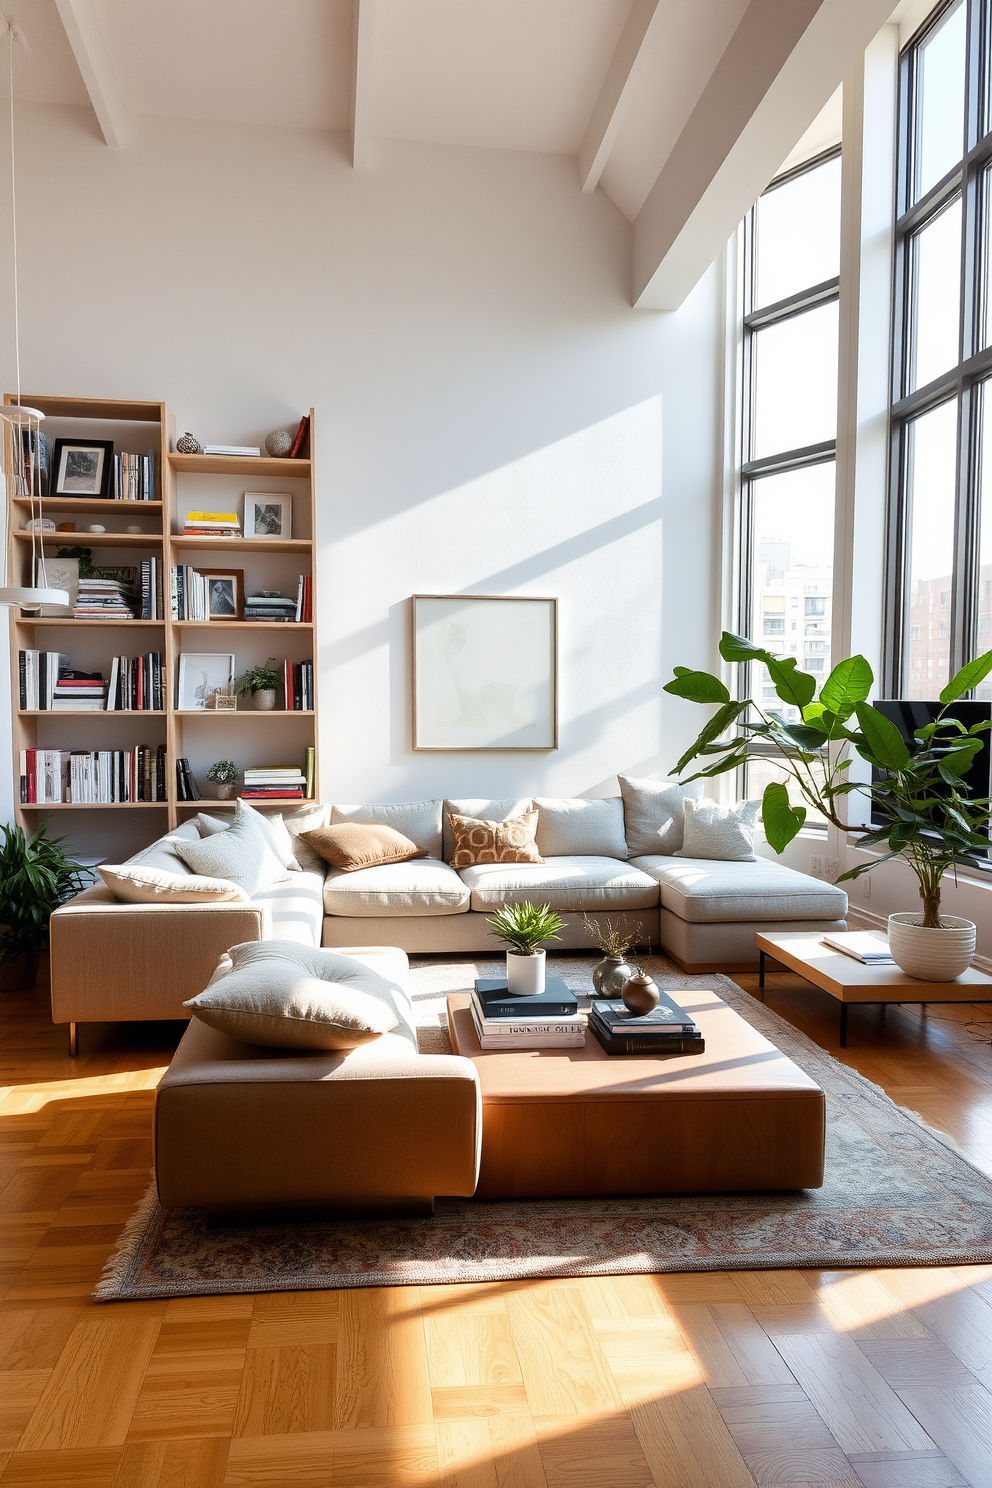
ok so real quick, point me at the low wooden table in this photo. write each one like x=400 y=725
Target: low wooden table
x=739 y=1118
x=851 y=981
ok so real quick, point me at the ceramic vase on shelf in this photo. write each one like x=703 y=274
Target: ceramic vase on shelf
x=525 y=974
x=932 y=955
x=640 y=994
x=266 y=699
x=227 y=791
x=609 y=976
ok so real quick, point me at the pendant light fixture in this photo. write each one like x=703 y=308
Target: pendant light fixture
x=22 y=475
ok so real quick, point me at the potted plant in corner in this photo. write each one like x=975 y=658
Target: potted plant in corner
x=260 y=683
x=224 y=775
x=35 y=878
x=930 y=818
x=523 y=928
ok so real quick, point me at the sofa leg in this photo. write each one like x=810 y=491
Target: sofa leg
x=73 y=1041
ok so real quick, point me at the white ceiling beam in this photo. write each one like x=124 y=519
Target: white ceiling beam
x=608 y=110
x=780 y=67
x=362 y=81
x=89 y=47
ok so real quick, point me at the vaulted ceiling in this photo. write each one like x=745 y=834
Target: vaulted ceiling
x=680 y=110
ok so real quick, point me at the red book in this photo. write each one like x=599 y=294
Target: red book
x=31 y=760
x=301 y=434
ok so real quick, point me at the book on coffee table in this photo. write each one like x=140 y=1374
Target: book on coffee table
x=667 y=1029
x=868 y=946
x=497 y=1001
x=666 y=1018
x=527 y=1033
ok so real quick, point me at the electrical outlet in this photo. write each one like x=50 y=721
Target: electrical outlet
x=816 y=865
x=866 y=885
x=831 y=869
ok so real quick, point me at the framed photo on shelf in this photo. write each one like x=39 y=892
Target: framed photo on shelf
x=225 y=593
x=201 y=675
x=268 y=514
x=82 y=467
x=485 y=672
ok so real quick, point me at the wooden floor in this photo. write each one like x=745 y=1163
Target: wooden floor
x=822 y=1379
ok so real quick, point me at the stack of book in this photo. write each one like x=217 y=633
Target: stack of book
x=269 y=607
x=547 y=1020
x=211 y=524
x=186 y=786
x=273 y=783
x=188 y=594
x=298 y=682
x=666 y=1030
x=304 y=599
x=92 y=777
x=136 y=683
x=870 y=947
x=38 y=673
x=77 y=692
x=310 y=771
x=134 y=477
x=105 y=599
x=231 y=449
x=151 y=589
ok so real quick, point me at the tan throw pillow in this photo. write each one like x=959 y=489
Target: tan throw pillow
x=353 y=845
x=137 y=884
x=494 y=842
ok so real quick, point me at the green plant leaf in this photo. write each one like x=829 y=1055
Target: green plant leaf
x=698 y=687
x=780 y=818
x=968 y=677
x=739 y=648
x=792 y=686
x=849 y=683
x=884 y=740
x=720 y=721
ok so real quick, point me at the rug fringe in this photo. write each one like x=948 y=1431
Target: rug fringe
x=120 y=1264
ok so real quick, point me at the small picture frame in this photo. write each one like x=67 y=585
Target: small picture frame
x=82 y=467
x=268 y=514
x=203 y=675
x=225 y=593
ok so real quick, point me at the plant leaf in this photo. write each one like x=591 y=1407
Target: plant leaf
x=849 y=683
x=721 y=720
x=698 y=687
x=968 y=677
x=792 y=686
x=884 y=740
x=739 y=648
x=781 y=820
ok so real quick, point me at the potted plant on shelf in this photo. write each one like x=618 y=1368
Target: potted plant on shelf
x=260 y=683
x=614 y=938
x=35 y=878
x=523 y=928
x=930 y=818
x=224 y=775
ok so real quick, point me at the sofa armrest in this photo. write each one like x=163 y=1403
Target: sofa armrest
x=119 y=962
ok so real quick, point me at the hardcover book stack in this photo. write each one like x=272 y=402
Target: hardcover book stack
x=92 y=777
x=151 y=589
x=188 y=593
x=274 y=783
x=79 y=692
x=106 y=599
x=668 y=1029
x=546 y=1020
x=269 y=607
x=38 y=673
x=298 y=682
x=212 y=524
x=304 y=599
x=134 y=477
x=136 y=683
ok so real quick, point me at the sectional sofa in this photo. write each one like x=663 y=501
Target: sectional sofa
x=127 y=961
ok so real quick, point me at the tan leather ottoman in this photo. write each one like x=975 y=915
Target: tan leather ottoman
x=739 y=1118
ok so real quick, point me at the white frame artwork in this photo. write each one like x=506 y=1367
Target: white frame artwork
x=256 y=499
x=485 y=672
x=215 y=668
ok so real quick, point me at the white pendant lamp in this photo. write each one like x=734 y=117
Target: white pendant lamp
x=22 y=442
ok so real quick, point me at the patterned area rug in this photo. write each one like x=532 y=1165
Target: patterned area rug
x=896 y=1193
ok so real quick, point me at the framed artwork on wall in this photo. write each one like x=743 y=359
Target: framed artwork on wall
x=201 y=674
x=268 y=514
x=225 y=593
x=485 y=672
x=82 y=467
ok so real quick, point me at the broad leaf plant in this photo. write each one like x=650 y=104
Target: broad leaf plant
x=931 y=819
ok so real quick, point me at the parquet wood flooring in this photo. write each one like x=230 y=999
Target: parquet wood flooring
x=878 y=1379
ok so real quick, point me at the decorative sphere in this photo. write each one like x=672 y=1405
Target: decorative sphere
x=278 y=443
x=640 y=994
x=96 y=527
x=188 y=445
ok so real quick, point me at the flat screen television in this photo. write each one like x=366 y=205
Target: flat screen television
x=908 y=717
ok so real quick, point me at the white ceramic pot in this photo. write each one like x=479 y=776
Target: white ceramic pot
x=525 y=974
x=265 y=700
x=932 y=955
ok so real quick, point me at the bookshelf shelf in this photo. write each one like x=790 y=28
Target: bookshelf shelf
x=153 y=427
x=215 y=805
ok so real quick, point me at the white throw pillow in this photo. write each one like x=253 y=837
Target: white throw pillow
x=572 y=827
x=242 y=854
x=273 y=826
x=654 y=814
x=723 y=833
x=136 y=883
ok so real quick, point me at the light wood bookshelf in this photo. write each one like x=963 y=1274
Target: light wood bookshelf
x=183 y=482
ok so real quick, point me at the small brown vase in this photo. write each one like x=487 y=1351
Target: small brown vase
x=640 y=994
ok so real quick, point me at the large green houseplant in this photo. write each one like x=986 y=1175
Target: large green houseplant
x=931 y=819
x=36 y=877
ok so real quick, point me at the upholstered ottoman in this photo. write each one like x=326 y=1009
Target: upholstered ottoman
x=240 y=1128
x=739 y=1118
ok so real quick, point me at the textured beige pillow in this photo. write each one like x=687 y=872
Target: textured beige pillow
x=272 y=825
x=721 y=833
x=285 y=996
x=494 y=842
x=353 y=845
x=137 y=884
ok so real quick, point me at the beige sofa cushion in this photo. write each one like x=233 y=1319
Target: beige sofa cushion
x=418 y=820
x=567 y=884
x=353 y=845
x=136 y=883
x=483 y=809
x=708 y=891
x=271 y=824
x=654 y=813
x=719 y=833
x=572 y=827
x=494 y=841
x=241 y=854
x=422 y=886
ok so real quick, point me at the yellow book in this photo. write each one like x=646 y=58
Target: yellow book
x=212 y=517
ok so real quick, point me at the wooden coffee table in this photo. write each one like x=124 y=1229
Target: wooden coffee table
x=557 y=1122
x=851 y=981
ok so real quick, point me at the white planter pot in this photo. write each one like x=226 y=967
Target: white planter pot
x=265 y=700
x=525 y=974
x=932 y=955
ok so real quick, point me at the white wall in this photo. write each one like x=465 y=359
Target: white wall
x=492 y=417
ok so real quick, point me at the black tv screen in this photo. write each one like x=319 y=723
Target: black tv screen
x=908 y=717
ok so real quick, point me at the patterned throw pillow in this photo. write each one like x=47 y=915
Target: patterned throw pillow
x=494 y=842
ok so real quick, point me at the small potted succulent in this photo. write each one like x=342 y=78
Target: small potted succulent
x=35 y=878
x=614 y=938
x=260 y=683
x=224 y=775
x=523 y=928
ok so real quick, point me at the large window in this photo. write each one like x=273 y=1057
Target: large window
x=789 y=428
x=939 y=572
